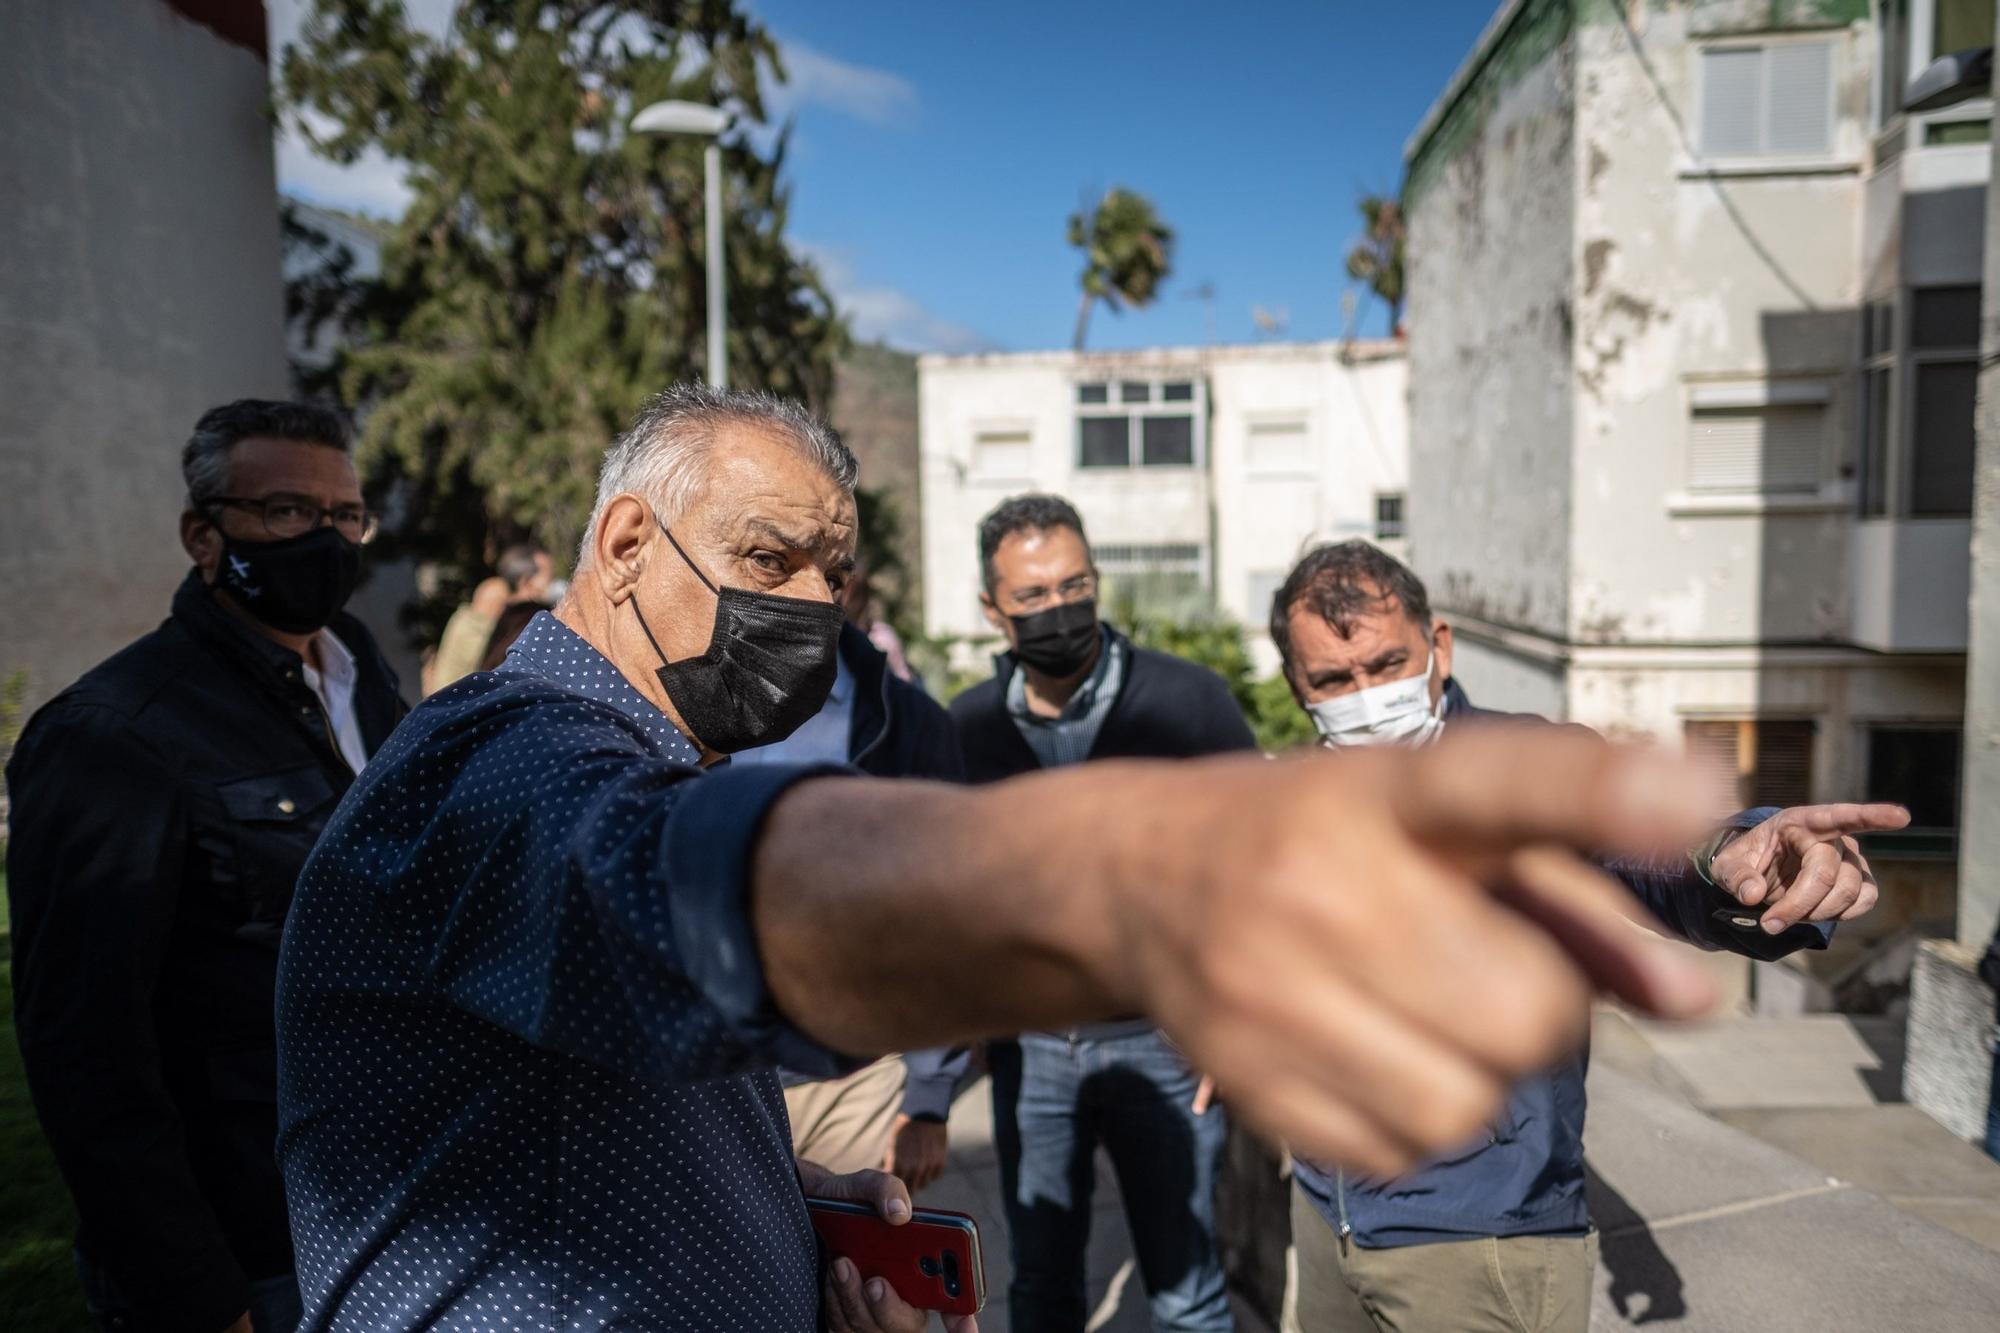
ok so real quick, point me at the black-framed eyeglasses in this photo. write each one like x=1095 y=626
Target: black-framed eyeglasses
x=295 y=515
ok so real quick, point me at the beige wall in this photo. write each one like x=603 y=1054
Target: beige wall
x=1698 y=286
x=1351 y=400
x=138 y=286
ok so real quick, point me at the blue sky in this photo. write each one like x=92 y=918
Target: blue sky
x=939 y=148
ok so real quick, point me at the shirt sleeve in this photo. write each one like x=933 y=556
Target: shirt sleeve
x=610 y=919
x=94 y=864
x=1699 y=912
x=931 y=1077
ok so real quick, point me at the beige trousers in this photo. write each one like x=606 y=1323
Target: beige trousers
x=1513 y=1284
x=843 y=1123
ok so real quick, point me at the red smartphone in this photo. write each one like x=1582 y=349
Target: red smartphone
x=932 y=1261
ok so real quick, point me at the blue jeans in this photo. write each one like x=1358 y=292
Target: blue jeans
x=1993 y=1108
x=1054 y=1102
x=274 y=1303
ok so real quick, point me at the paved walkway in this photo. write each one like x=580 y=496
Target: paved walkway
x=1753 y=1174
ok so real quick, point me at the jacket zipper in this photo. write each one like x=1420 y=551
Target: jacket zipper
x=326 y=726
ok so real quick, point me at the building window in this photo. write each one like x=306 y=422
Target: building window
x=1151 y=423
x=1960 y=25
x=1279 y=446
x=1767 y=101
x=1388 y=515
x=1752 y=762
x=1261 y=591
x=1878 y=372
x=1918 y=767
x=1003 y=453
x=1892 y=41
x=1162 y=578
x=1944 y=372
x=1763 y=449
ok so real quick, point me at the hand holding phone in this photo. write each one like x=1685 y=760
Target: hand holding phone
x=932 y=1261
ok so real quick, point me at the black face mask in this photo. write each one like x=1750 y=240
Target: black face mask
x=1058 y=641
x=770 y=664
x=296 y=585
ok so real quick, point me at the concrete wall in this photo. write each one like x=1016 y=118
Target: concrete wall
x=1704 y=284
x=1250 y=523
x=138 y=286
x=1490 y=274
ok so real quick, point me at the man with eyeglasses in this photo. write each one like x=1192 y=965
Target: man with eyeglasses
x=1069 y=690
x=162 y=808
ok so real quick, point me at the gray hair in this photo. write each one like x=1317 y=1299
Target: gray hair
x=205 y=457
x=663 y=454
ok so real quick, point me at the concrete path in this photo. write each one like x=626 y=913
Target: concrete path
x=1750 y=1175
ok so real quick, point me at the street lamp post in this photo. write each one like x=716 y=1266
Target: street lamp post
x=702 y=122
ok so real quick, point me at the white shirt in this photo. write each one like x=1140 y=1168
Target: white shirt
x=333 y=682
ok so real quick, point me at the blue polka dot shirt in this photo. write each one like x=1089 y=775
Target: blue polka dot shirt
x=526 y=1050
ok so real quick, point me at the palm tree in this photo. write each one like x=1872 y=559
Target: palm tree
x=1377 y=258
x=1127 y=253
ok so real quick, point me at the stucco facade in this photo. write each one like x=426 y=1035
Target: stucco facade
x=139 y=285
x=1291 y=444
x=1668 y=264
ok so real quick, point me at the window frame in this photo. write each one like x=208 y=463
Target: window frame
x=1763 y=43
x=1402 y=521
x=1913 y=358
x=1194 y=407
x=1917 y=842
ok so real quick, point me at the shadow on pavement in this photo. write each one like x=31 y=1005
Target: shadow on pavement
x=1646 y=1288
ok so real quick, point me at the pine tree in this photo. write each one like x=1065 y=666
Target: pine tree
x=548 y=273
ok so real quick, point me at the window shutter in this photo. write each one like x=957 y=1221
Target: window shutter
x=1800 y=99
x=1747 y=763
x=1278 y=446
x=1006 y=454
x=1730 y=87
x=1783 y=773
x=1756 y=450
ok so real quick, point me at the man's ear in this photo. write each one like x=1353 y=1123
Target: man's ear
x=621 y=545
x=202 y=542
x=993 y=616
x=1441 y=651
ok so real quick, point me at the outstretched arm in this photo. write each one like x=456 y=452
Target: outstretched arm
x=1365 y=950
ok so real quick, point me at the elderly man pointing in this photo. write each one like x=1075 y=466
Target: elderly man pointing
x=541 y=969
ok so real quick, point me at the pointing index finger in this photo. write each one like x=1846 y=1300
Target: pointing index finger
x=1496 y=786
x=1831 y=820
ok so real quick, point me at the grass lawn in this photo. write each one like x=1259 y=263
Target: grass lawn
x=38 y=1291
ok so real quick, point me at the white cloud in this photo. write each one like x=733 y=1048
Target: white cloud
x=372 y=185
x=884 y=314
x=817 y=79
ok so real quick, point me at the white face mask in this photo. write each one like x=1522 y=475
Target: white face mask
x=1398 y=712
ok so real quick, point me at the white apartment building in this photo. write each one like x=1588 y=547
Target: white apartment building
x=1693 y=309
x=1202 y=473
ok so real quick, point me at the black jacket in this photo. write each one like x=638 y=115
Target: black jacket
x=162 y=808
x=1166 y=708
x=896 y=731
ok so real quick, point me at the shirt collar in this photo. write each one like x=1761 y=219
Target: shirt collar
x=553 y=651
x=336 y=663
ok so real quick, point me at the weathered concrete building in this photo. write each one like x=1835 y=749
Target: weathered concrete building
x=139 y=285
x=1692 y=311
x=1202 y=472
